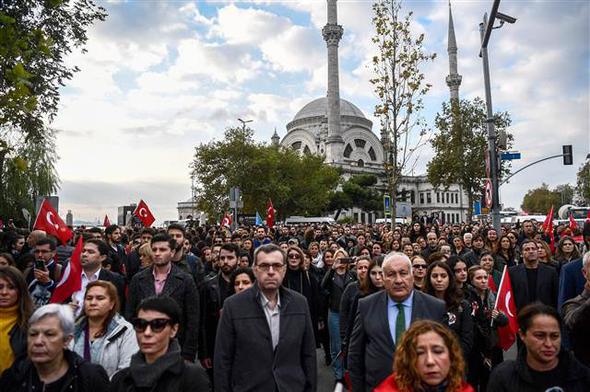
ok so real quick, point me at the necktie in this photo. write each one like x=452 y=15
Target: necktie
x=400 y=323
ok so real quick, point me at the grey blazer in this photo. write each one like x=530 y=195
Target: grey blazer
x=244 y=357
x=371 y=350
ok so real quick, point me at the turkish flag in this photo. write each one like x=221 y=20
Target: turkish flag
x=71 y=278
x=106 y=222
x=573 y=224
x=270 y=214
x=505 y=304
x=492 y=284
x=49 y=221
x=548 y=219
x=227 y=220
x=144 y=214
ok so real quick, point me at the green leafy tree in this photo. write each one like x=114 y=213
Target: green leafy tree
x=296 y=184
x=36 y=36
x=583 y=184
x=540 y=200
x=358 y=191
x=28 y=171
x=460 y=145
x=400 y=87
x=566 y=193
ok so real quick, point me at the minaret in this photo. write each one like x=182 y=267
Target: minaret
x=332 y=33
x=454 y=79
x=275 y=138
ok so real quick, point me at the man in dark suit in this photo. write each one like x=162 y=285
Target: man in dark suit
x=533 y=281
x=381 y=319
x=265 y=338
x=165 y=278
x=93 y=259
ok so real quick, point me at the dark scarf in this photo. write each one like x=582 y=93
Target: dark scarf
x=146 y=375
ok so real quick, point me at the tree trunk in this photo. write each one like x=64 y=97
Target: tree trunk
x=469 y=205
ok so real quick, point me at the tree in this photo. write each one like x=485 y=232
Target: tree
x=296 y=184
x=357 y=191
x=566 y=193
x=583 y=184
x=460 y=145
x=28 y=172
x=400 y=86
x=36 y=36
x=540 y=200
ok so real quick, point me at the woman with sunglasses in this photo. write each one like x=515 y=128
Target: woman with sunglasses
x=102 y=336
x=419 y=266
x=158 y=366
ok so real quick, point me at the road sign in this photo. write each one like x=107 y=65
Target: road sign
x=403 y=209
x=510 y=155
x=386 y=204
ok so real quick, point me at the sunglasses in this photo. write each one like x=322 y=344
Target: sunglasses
x=156 y=325
x=420 y=266
x=293 y=256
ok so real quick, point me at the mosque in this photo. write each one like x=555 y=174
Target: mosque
x=338 y=130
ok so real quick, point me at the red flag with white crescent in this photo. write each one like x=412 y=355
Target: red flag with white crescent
x=227 y=220
x=548 y=219
x=49 y=221
x=71 y=278
x=270 y=214
x=144 y=214
x=106 y=222
x=573 y=224
x=505 y=304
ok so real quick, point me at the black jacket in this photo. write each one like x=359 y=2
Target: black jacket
x=212 y=294
x=515 y=376
x=82 y=376
x=460 y=321
x=244 y=355
x=18 y=341
x=547 y=285
x=172 y=374
x=333 y=291
x=180 y=287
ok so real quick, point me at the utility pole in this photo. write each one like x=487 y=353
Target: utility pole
x=244 y=122
x=485 y=30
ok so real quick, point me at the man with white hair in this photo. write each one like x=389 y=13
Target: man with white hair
x=49 y=365
x=576 y=316
x=382 y=318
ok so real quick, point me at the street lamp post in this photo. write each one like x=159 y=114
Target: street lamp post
x=485 y=30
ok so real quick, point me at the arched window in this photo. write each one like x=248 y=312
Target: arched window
x=360 y=143
x=296 y=145
x=347 y=151
x=360 y=163
x=372 y=154
x=306 y=150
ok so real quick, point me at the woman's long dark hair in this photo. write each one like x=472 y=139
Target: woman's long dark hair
x=366 y=285
x=25 y=305
x=453 y=295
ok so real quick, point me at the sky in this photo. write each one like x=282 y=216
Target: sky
x=161 y=77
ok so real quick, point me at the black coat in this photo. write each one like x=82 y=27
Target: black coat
x=83 y=376
x=547 y=285
x=244 y=355
x=117 y=280
x=180 y=287
x=332 y=291
x=515 y=375
x=371 y=349
x=180 y=377
x=212 y=296
x=460 y=321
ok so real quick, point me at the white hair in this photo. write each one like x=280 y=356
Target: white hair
x=63 y=313
x=396 y=255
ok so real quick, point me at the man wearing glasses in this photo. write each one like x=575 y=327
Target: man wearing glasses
x=45 y=273
x=265 y=338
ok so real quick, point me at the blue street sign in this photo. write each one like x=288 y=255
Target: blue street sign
x=477 y=207
x=509 y=156
x=386 y=204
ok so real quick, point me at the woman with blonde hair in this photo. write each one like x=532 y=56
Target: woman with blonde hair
x=428 y=358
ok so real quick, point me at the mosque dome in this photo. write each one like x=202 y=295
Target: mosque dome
x=319 y=107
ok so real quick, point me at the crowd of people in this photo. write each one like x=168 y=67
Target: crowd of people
x=404 y=308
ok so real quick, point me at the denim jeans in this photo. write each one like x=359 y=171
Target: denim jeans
x=334 y=328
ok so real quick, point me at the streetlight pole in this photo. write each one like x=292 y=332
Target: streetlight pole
x=485 y=30
x=244 y=122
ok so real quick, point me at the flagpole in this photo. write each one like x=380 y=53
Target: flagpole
x=37 y=216
x=498 y=296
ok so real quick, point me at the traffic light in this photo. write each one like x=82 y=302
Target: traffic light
x=568 y=157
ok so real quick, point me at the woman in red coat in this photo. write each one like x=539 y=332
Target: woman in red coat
x=428 y=358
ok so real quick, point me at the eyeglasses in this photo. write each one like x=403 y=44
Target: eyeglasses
x=294 y=256
x=267 y=267
x=420 y=266
x=156 y=325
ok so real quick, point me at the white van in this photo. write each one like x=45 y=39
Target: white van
x=302 y=220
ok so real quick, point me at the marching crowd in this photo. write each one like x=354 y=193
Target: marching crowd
x=408 y=308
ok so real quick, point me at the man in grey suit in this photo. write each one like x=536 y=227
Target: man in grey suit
x=381 y=319
x=265 y=339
